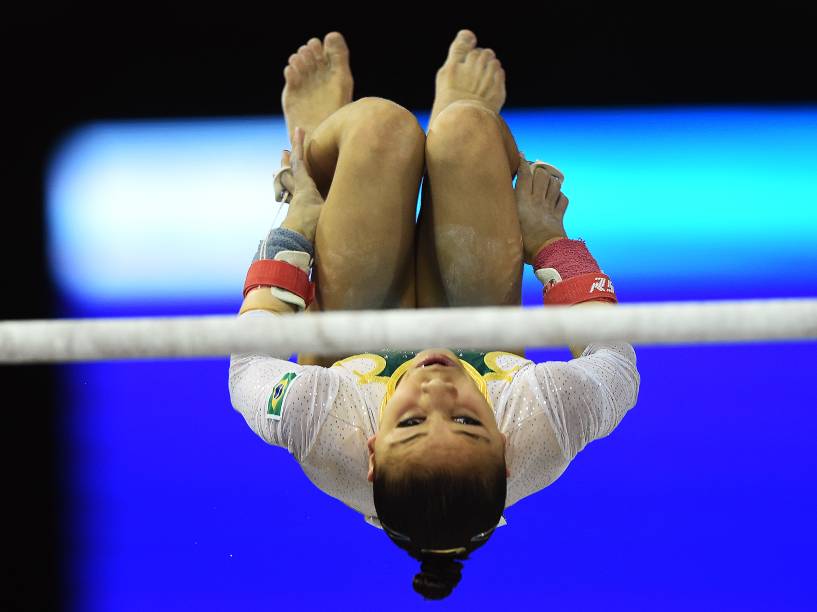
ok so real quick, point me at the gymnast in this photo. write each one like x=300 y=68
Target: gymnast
x=429 y=446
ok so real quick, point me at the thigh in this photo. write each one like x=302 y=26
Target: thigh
x=366 y=159
x=407 y=300
x=469 y=244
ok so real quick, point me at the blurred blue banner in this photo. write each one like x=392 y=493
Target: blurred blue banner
x=704 y=497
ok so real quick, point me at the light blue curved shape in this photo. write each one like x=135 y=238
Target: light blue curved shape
x=674 y=198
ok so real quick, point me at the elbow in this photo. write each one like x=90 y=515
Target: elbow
x=633 y=377
x=629 y=377
x=237 y=372
x=635 y=385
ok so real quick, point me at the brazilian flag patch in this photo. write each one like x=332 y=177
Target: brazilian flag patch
x=276 y=398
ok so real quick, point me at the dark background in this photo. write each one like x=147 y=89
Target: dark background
x=62 y=67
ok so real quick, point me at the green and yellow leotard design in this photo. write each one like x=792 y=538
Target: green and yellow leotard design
x=389 y=366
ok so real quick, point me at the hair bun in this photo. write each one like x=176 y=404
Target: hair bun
x=437 y=577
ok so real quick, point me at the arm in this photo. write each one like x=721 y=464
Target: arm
x=261 y=386
x=541 y=206
x=588 y=396
x=302 y=217
x=260 y=298
x=577 y=349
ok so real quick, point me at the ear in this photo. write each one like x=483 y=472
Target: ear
x=370 y=445
x=504 y=450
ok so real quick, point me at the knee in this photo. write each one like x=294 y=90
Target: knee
x=464 y=127
x=386 y=127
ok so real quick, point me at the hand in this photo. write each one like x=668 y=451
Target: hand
x=305 y=207
x=540 y=204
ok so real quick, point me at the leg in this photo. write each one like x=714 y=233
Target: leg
x=367 y=161
x=469 y=250
x=469 y=242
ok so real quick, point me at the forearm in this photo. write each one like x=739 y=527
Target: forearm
x=577 y=349
x=564 y=267
x=530 y=256
x=590 y=395
x=271 y=287
x=571 y=263
x=261 y=298
x=304 y=224
x=253 y=378
x=288 y=242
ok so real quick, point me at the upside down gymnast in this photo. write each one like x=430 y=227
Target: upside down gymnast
x=432 y=446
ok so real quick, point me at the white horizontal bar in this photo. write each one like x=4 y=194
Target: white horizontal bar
x=351 y=332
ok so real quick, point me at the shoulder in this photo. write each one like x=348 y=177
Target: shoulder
x=364 y=377
x=365 y=368
x=504 y=365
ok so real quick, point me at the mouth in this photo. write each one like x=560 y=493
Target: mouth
x=435 y=360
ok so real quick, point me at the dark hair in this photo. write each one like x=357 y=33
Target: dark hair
x=439 y=508
x=437 y=578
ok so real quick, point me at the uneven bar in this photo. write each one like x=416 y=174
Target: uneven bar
x=64 y=340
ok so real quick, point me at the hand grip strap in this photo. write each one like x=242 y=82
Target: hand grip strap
x=274 y=273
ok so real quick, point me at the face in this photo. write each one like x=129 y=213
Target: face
x=436 y=415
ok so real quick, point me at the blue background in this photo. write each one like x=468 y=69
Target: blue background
x=704 y=496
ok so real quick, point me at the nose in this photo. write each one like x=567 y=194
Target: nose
x=437 y=388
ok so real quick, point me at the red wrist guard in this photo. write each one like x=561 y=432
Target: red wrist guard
x=583 y=288
x=582 y=279
x=273 y=273
x=568 y=257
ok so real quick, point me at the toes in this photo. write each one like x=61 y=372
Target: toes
x=489 y=80
x=316 y=47
x=472 y=57
x=306 y=56
x=499 y=81
x=463 y=43
x=297 y=62
x=497 y=72
x=292 y=76
x=485 y=56
x=336 y=47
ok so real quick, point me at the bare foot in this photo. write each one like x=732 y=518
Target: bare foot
x=469 y=73
x=318 y=82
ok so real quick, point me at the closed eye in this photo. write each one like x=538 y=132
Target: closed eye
x=411 y=421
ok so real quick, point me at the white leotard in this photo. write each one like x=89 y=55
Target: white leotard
x=548 y=411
